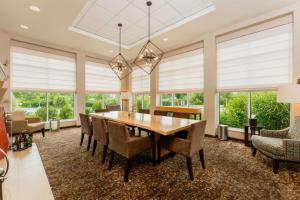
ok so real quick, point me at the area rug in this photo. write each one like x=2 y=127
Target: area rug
x=231 y=173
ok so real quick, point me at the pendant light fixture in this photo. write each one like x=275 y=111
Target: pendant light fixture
x=150 y=54
x=119 y=64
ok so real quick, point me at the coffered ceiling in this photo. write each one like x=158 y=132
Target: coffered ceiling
x=52 y=24
x=99 y=18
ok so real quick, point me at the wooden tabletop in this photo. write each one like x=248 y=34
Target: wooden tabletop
x=159 y=124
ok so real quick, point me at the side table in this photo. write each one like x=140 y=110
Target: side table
x=253 y=129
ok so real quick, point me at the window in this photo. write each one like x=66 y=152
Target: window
x=166 y=99
x=181 y=100
x=142 y=101
x=43 y=84
x=192 y=100
x=95 y=101
x=237 y=107
x=45 y=105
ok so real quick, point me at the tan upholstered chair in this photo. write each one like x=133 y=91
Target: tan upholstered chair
x=100 y=134
x=101 y=110
x=21 y=123
x=122 y=143
x=86 y=129
x=186 y=147
x=114 y=108
x=160 y=112
x=181 y=115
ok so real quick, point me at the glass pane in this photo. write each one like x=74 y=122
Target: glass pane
x=93 y=102
x=269 y=113
x=111 y=99
x=33 y=103
x=138 y=102
x=233 y=109
x=166 y=99
x=61 y=105
x=180 y=100
x=147 y=101
x=197 y=101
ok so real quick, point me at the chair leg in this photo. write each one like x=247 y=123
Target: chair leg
x=201 y=154
x=94 y=147
x=139 y=132
x=89 y=143
x=190 y=167
x=82 y=137
x=104 y=153
x=126 y=169
x=275 y=166
x=43 y=132
x=253 y=151
x=111 y=159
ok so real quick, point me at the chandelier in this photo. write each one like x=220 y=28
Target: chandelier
x=150 y=54
x=119 y=64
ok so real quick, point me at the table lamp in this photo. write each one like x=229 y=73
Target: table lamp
x=290 y=94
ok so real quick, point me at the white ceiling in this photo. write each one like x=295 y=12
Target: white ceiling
x=52 y=23
x=99 y=18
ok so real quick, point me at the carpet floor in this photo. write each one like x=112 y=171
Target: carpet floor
x=231 y=173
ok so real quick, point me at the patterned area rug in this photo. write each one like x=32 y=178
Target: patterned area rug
x=232 y=173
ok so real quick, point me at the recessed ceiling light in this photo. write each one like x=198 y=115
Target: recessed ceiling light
x=166 y=39
x=35 y=8
x=24 y=26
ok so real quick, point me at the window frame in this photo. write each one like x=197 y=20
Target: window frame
x=143 y=98
x=102 y=97
x=173 y=96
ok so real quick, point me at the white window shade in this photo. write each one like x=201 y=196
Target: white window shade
x=140 y=81
x=181 y=73
x=40 y=71
x=100 y=78
x=258 y=60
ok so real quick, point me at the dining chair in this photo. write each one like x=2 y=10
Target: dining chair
x=127 y=146
x=181 y=115
x=114 y=108
x=86 y=129
x=101 y=110
x=144 y=111
x=100 y=135
x=160 y=112
x=187 y=147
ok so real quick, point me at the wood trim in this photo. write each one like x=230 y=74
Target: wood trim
x=179 y=109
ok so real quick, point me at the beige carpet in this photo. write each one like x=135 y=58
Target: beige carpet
x=232 y=173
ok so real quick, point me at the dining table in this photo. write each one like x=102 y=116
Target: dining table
x=156 y=125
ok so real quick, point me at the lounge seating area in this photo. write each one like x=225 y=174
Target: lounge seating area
x=149 y=99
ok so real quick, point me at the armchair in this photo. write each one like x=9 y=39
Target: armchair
x=279 y=145
x=21 y=123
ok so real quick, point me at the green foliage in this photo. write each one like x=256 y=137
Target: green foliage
x=147 y=101
x=95 y=101
x=166 y=99
x=138 y=102
x=196 y=99
x=180 y=99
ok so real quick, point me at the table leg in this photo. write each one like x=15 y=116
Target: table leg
x=246 y=136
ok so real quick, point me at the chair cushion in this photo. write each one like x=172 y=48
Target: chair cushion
x=34 y=127
x=294 y=132
x=268 y=144
x=17 y=116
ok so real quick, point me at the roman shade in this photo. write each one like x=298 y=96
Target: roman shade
x=140 y=81
x=181 y=73
x=257 y=57
x=100 y=78
x=41 y=71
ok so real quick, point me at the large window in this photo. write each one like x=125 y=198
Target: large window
x=100 y=101
x=142 y=101
x=43 y=83
x=236 y=107
x=192 y=100
x=45 y=105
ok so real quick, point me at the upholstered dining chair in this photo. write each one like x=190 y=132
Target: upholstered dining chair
x=101 y=110
x=194 y=143
x=181 y=115
x=100 y=134
x=86 y=129
x=144 y=111
x=160 y=112
x=114 y=108
x=279 y=145
x=127 y=146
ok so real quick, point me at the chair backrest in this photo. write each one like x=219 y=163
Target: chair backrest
x=101 y=110
x=114 y=108
x=160 y=112
x=144 y=111
x=86 y=126
x=196 y=136
x=181 y=115
x=100 y=131
x=294 y=132
x=17 y=116
x=118 y=137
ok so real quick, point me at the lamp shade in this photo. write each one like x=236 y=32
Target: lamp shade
x=289 y=94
